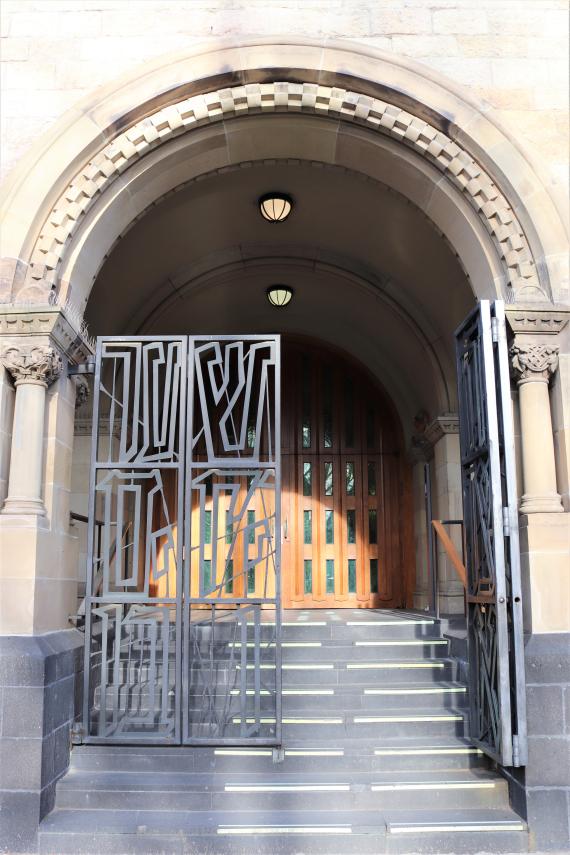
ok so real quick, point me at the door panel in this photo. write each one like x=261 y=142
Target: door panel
x=341 y=487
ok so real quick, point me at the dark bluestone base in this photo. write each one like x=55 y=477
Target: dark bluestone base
x=541 y=791
x=40 y=684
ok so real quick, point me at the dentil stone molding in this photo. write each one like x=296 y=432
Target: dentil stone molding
x=462 y=170
x=530 y=320
x=32 y=363
x=55 y=325
x=531 y=362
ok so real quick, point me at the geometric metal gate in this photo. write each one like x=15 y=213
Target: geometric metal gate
x=183 y=578
x=494 y=603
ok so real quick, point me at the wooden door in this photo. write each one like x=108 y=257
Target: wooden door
x=341 y=485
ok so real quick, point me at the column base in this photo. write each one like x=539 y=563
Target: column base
x=24 y=506
x=541 y=504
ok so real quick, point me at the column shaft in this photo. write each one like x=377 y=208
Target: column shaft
x=25 y=482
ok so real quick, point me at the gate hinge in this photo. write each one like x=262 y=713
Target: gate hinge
x=77 y=733
x=495 y=330
x=506 y=523
x=278 y=755
x=516 y=750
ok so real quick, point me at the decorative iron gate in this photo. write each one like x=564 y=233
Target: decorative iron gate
x=494 y=604
x=183 y=584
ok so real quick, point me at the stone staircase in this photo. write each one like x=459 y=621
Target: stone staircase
x=376 y=759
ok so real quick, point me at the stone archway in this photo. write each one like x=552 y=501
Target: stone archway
x=95 y=150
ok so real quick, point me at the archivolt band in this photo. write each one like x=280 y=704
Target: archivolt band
x=184 y=549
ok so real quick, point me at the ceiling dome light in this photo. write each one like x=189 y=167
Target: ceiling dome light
x=275 y=207
x=279 y=295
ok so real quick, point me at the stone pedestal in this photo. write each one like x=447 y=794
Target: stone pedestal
x=40 y=656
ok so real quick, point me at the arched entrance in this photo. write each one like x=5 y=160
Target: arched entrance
x=413 y=205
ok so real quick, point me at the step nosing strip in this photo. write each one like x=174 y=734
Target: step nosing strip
x=439 y=690
x=412 y=828
x=405 y=718
x=380 y=752
x=284 y=829
x=352 y=666
x=434 y=785
x=286 y=787
x=402 y=643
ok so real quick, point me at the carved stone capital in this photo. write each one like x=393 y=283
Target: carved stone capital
x=32 y=363
x=442 y=425
x=532 y=362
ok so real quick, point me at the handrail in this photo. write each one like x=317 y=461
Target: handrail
x=98 y=580
x=450 y=549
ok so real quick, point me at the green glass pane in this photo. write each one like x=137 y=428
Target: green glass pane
x=328 y=406
x=328 y=479
x=307 y=479
x=372 y=526
x=350 y=479
x=330 y=576
x=250 y=481
x=329 y=526
x=207 y=574
x=306 y=427
x=229 y=576
x=371 y=479
x=251 y=524
x=207 y=526
x=352 y=575
x=251 y=580
x=229 y=527
x=308 y=526
x=374 y=575
x=308 y=567
x=349 y=412
x=351 y=526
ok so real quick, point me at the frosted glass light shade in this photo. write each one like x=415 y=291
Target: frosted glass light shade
x=275 y=207
x=279 y=295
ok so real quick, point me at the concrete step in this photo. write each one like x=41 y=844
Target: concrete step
x=356 y=755
x=195 y=791
x=80 y=832
x=367 y=670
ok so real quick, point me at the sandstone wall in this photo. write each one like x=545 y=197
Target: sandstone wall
x=512 y=53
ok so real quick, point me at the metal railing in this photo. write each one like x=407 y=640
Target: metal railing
x=98 y=577
x=457 y=561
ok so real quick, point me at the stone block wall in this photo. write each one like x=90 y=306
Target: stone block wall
x=511 y=53
x=40 y=696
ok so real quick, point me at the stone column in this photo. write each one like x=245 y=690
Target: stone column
x=533 y=365
x=33 y=369
x=443 y=434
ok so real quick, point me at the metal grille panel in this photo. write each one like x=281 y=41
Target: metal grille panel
x=496 y=654
x=185 y=486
